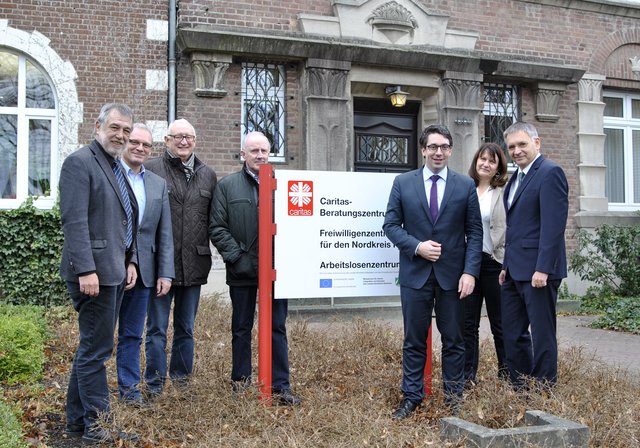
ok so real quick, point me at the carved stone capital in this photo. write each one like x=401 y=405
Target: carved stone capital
x=327 y=82
x=590 y=88
x=209 y=71
x=462 y=93
x=548 y=96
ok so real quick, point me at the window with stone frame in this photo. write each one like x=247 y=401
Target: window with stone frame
x=263 y=104
x=28 y=120
x=501 y=110
x=622 y=150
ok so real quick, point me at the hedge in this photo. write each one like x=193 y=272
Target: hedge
x=30 y=249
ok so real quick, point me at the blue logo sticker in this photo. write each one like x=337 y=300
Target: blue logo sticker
x=326 y=283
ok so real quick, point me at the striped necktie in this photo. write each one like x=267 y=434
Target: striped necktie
x=520 y=179
x=117 y=170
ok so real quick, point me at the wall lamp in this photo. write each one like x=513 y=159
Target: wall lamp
x=396 y=95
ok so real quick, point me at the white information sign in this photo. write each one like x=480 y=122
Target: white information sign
x=329 y=240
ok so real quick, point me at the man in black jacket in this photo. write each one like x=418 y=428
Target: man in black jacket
x=191 y=184
x=233 y=230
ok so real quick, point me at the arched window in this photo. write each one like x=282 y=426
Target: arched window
x=28 y=121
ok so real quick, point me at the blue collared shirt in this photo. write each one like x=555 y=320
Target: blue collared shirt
x=136 y=180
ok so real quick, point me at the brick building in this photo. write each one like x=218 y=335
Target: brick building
x=316 y=76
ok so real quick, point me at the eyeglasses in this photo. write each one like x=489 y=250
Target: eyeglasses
x=135 y=143
x=434 y=148
x=178 y=138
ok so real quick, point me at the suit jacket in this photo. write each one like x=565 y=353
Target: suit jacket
x=536 y=222
x=497 y=224
x=94 y=221
x=458 y=228
x=155 y=238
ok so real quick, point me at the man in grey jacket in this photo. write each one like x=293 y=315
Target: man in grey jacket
x=234 y=232
x=154 y=244
x=191 y=185
x=98 y=213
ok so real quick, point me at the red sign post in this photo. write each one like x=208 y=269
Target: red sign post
x=266 y=277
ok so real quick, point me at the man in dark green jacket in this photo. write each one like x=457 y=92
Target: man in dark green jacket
x=233 y=230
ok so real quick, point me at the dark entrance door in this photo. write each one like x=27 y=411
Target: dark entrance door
x=385 y=136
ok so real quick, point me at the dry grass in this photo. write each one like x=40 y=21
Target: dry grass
x=348 y=376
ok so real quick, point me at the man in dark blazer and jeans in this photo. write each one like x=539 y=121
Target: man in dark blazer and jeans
x=433 y=217
x=154 y=247
x=535 y=262
x=98 y=213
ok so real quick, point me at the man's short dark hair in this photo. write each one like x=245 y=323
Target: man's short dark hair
x=435 y=129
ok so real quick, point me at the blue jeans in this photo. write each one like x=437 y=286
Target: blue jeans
x=185 y=308
x=88 y=392
x=133 y=312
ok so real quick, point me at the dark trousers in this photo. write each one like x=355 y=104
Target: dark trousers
x=417 y=307
x=487 y=288
x=530 y=353
x=243 y=303
x=88 y=391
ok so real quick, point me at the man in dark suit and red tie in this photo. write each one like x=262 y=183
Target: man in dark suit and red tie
x=537 y=203
x=433 y=217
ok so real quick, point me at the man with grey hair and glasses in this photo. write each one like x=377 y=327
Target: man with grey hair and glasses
x=191 y=185
x=154 y=244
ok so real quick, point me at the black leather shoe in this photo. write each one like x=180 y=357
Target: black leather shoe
x=97 y=436
x=138 y=403
x=240 y=386
x=74 y=430
x=100 y=435
x=405 y=410
x=286 y=398
x=454 y=404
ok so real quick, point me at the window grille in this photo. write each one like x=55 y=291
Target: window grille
x=501 y=110
x=263 y=105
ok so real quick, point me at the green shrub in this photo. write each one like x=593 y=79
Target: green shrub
x=34 y=313
x=30 y=249
x=21 y=349
x=623 y=314
x=610 y=258
x=10 y=428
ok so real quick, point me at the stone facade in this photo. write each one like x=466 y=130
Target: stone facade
x=561 y=53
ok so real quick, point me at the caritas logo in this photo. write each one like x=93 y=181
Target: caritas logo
x=300 y=198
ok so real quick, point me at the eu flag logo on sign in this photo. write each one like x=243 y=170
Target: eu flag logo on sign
x=326 y=283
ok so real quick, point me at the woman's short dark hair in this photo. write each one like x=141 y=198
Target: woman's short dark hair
x=496 y=153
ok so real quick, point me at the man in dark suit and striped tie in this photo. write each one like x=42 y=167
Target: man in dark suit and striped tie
x=98 y=213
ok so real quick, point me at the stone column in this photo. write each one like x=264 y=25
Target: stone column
x=548 y=95
x=462 y=106
x=591 y=168
x=209 y=70
x=328 y=146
